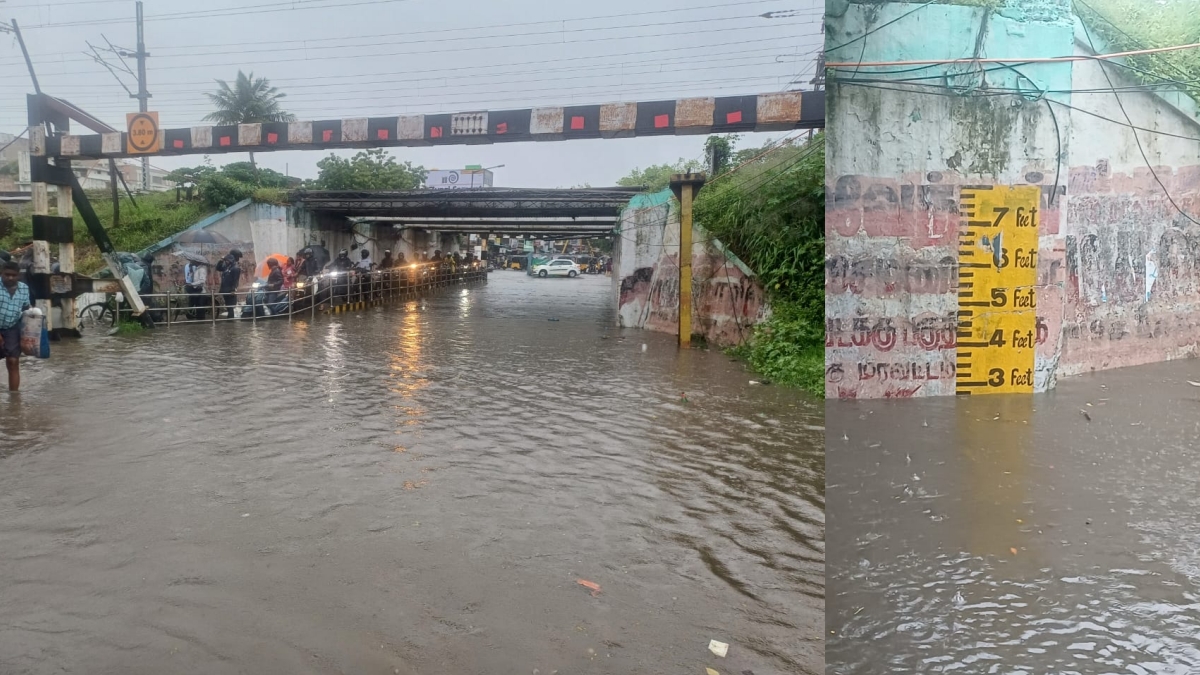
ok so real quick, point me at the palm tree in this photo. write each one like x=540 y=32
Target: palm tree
x=249 y=100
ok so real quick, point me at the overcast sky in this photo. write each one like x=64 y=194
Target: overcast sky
x=356 y=58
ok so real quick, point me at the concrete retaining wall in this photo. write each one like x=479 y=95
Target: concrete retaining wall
x=727 y=299
x=1113 y=266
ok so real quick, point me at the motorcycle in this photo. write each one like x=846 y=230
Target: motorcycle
x=263 y=303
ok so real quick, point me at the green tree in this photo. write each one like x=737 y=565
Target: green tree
x=248 y=101
x=220 y=191
x=190 y=174
x=658 y=176
x=368 y=170
x=722 y=146
x=248 y=173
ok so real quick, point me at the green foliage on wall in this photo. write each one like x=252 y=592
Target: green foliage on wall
x=657 y=176
x=771 y=214
x=1127 y=25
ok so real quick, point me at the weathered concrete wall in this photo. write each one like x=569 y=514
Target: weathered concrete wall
x=1132 y=261
x=903 y=250
x=896 y=163
x=727 y=298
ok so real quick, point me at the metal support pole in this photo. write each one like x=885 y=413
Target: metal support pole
x=685 y=186
x=143 y=96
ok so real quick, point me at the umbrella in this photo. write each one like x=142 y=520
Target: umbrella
x=193 y=257
x=263 y=270
x=202 y=237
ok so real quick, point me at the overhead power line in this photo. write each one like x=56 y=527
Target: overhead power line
x=231 y=64
x=444 y=40
x=323 y=94
x=560 y=95
x=481 y=70
x=405 y=34
x=193 y=65
x=292 y=6
x=1044 y=59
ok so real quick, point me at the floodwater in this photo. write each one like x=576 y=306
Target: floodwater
x=1050 y=534
x=410 y=489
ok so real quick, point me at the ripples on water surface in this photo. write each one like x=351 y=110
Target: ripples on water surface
x=411 y=489
x=1007 y=535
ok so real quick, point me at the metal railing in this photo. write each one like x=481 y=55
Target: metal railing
x=328 y=292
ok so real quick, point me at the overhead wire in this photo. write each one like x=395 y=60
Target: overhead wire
x=1141 y=149
x=14 y=140
x=569 y=73
x=442 y=40
x=880 y=27
x=405 y=34
x=479 y=70
x=455 y=49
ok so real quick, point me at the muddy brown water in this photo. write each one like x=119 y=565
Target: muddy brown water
x=410 y=489
x=1052 y=534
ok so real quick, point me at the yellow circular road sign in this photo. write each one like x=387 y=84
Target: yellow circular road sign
x=142 y=132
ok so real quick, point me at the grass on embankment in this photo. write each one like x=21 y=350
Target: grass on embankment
x=771 y=214
x=156 y=217
x=783 y=350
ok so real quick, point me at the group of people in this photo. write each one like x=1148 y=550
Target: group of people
x=196 y=284
x=310 y=261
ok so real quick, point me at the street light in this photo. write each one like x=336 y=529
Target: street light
x=498 y=166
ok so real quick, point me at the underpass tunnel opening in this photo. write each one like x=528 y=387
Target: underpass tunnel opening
x=503 y=228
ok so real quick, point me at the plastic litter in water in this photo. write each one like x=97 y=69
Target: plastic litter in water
x=718 y=648
x=643 y=346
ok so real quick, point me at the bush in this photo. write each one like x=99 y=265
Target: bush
x=156 y=217
x=270 y=195
x=787 y=349
x=221 y=192
x=771 y=214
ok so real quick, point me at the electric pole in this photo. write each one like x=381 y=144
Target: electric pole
x=143 y=96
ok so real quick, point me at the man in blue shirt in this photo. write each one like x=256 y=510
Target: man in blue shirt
x=14 y=299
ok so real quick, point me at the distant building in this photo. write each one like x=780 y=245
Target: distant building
x=470 y=177
x=93 y=174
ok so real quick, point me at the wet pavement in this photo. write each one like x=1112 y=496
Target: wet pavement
x=1052 y=534
x=410 y=489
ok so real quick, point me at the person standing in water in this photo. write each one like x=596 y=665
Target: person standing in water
x=14 y=300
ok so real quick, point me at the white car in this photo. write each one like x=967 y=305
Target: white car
x=557 y=268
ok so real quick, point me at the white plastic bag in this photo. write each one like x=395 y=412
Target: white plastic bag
x=32 y=322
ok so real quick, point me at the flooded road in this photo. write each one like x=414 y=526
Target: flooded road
x=410 y=489
x=1052 y=534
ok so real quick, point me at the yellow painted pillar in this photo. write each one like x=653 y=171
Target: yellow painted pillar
x=685 y=186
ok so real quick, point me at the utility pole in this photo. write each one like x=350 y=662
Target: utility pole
x=143 y=96
x=13 y=28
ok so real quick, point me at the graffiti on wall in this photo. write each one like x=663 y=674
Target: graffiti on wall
x=726 y=302
x=923 y=209
x=1132 y=267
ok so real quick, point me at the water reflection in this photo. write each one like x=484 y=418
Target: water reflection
x=421 y=499
x=1052 y=534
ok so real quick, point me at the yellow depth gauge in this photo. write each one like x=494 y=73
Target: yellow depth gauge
x=997 y=299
